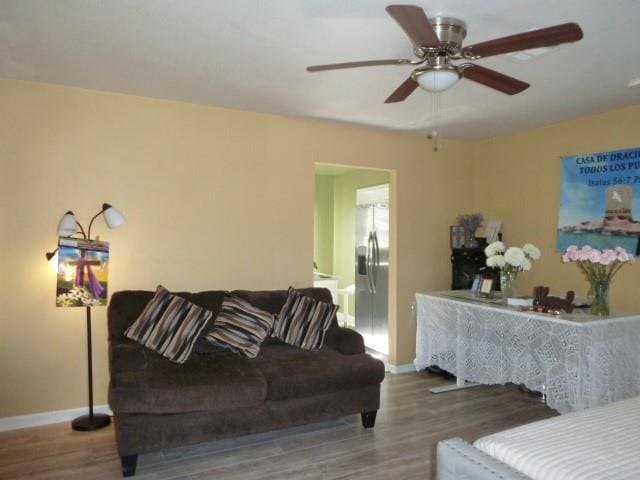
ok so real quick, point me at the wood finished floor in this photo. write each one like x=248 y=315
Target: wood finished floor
x=401 y=446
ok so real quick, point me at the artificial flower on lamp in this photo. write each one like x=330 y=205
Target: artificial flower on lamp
x=80 y=285
x=470 y=222
x=511 y=261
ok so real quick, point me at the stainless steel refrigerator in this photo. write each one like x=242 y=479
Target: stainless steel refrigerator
x=372 y=267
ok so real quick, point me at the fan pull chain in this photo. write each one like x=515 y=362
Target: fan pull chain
x=435 y=114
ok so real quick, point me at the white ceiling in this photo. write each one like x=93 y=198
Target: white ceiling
x=252 y=54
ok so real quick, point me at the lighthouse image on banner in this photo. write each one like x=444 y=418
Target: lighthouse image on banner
x=600 y=193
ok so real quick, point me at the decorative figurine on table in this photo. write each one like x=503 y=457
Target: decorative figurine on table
x=544 y=303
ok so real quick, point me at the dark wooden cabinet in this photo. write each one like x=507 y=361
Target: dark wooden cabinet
x=466 y=263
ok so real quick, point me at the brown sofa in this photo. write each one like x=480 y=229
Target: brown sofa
x=158 y=404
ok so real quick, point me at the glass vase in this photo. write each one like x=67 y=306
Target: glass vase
x=600 y=302
x=509 y=284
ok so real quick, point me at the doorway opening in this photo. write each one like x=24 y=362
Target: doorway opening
x=351 y=247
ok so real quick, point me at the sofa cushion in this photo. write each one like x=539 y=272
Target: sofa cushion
x=240 y=326
x=169 y=325
x=144 y=382
x=126 y=306
x=304 y=321
x=273 y=300
x=291 y=372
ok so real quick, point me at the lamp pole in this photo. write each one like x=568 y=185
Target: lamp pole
x=91 y=421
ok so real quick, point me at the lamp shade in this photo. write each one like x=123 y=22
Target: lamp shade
x=438 y=80
x=112 y=216
x=67 y=225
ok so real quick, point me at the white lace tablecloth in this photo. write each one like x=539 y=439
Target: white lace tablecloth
x=581 y=361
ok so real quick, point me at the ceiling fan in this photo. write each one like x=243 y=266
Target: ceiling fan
x=438 y=41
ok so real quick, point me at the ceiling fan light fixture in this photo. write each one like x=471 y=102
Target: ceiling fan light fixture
x=437 y=79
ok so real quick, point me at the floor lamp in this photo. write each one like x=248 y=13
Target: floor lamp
x=70 y=228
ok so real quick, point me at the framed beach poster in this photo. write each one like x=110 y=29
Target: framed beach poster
x=600 y=196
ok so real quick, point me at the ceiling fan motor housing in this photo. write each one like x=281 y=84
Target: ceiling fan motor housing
x=451 y=32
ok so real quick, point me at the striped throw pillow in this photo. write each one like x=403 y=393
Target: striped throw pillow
x=169 y=325
x=304 y=321
x=240 y=326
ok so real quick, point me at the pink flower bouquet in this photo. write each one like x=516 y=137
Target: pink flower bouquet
x=599 y=267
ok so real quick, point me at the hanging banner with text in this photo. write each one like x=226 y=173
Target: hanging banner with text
x=600 y=194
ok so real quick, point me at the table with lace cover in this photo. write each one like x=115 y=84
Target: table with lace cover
x=578 y=359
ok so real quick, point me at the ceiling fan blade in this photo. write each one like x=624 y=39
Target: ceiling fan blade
x=495 y=80
x=403 y=91
x=415 y=24
x=544 y=37
x=365 y=63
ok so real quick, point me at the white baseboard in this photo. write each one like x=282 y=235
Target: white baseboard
x=398 y=369
x=46 y=418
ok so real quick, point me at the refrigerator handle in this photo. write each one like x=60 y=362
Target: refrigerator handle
x=372 y=266
x=376 y=260
x=370 y=248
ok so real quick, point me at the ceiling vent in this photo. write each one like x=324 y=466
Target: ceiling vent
x=525 y=56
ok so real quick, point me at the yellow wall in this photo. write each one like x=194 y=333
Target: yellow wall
x=215 y=199
x=517 y=179
x=323 y=223
x=222 y=199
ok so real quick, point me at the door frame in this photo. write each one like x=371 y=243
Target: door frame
x=393 y=248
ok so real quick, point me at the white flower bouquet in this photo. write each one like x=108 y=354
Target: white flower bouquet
x=511 y=261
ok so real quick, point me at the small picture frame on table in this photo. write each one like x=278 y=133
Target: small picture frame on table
x=456 y=233
x=486 y=287
x=475 y=286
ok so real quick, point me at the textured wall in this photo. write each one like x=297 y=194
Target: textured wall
x=215 y=199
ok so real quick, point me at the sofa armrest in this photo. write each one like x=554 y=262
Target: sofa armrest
x=345 y=341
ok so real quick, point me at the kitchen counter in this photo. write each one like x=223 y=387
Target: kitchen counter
x=322 y=280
